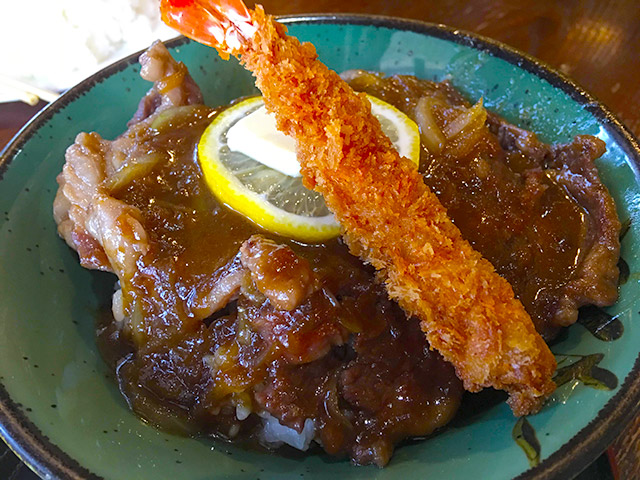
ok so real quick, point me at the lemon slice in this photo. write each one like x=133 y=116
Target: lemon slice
x=401 y=130
x=277 y=201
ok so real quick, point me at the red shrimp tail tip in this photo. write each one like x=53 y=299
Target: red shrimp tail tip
x=225 y=25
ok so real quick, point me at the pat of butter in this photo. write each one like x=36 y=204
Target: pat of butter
x=257 y=137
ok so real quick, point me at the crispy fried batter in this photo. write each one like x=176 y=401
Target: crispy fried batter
x=393 y=221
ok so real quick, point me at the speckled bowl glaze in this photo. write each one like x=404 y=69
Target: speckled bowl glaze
x=60 y=408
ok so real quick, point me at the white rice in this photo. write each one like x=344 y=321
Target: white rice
x=274 y=434
x=117 y=306
x=54 y=44
x=242 y=412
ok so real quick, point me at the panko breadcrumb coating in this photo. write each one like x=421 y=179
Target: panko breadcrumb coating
x=389 y=216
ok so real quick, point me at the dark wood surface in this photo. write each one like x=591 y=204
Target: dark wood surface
x=595 y=42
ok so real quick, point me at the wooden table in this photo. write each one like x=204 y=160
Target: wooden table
x=596 y=42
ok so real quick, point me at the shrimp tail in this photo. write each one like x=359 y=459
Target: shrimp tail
x=225 y=25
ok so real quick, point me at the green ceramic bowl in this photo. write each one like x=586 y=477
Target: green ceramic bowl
x=60 y=408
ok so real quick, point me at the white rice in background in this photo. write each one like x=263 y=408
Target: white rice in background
x=54 y=44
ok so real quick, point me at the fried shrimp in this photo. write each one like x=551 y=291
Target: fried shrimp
x=389 y=216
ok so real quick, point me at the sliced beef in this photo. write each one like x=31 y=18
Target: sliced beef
x=283 y=277
x=173 y=86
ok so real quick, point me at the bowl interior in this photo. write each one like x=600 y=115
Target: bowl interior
x=53 y=378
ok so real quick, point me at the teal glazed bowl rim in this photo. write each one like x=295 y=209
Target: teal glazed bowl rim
x=49 y=461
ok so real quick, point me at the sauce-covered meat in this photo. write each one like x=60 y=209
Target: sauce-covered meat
x=283 y=277
x=538 y=213
x=221 y=328
x=235 y=322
